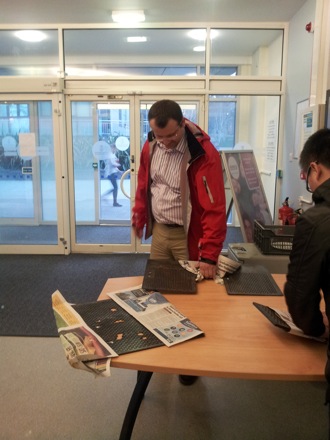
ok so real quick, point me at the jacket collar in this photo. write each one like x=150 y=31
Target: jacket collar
x=195 y=148
x=322 y=193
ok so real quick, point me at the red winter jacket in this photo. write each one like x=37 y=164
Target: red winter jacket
x=202 y=194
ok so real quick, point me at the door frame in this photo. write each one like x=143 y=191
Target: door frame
x=62 y=246
x=92 y=247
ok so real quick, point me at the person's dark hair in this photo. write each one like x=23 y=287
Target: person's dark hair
x=164 y=110
x=316 y=148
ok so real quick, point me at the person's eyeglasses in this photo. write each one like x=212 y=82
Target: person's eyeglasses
x=305 y=176
x=170 y=137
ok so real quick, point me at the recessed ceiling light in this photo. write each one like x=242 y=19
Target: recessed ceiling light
x=136 y=39
x=200 y=34
x=128 y=17
x=199 y=49
x=31 y=36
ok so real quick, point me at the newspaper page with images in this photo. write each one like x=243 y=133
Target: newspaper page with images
x=157 y=314
x=84 y=349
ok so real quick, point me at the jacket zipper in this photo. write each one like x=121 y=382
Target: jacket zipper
x=208 y=190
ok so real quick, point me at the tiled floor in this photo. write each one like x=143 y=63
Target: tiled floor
x=43 y=398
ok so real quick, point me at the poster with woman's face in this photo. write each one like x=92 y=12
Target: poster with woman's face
x=247 y=190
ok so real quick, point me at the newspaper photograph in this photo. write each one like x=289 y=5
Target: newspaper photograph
x=157 y=314
x=83 y=348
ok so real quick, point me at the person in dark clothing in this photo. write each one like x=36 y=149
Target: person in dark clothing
x=309 y=267
x=111 y=172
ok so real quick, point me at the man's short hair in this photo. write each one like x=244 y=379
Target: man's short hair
x=164 y=110
x=316 y=149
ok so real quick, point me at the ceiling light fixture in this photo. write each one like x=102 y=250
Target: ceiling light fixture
x=200 y=34
x=128 y=17
x=31 y=36
x=136 y=39
x=199 y=49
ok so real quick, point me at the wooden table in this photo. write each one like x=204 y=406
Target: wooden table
x=239 y=342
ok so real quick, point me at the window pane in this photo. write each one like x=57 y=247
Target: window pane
x=29 y=58
x=107 y=52
x=222 y=121
x=100 y=131
x=254 y=52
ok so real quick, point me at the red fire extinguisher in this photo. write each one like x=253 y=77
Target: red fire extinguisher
x=285 y=214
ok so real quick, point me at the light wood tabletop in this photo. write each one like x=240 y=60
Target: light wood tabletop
x=239 y=341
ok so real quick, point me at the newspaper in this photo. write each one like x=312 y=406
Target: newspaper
x=84 y=349
x=225 y=266
x=157 y=314
x=283 y=320
x=286 y=317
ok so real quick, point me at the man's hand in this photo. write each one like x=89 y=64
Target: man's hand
x=207 y=270
x=138 y=232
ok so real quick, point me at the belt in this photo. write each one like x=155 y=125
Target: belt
x=172 y=225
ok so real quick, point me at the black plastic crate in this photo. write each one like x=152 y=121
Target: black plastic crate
x=273 y=239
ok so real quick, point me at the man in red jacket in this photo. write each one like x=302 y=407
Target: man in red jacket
x=180 y=196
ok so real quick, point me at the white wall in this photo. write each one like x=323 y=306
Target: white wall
x=299 y=66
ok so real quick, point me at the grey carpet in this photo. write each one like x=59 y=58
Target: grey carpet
x=91 y=234
x=28 y=281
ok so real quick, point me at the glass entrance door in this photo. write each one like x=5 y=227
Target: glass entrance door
x=29 y=152
x=105 y=138
x=100 y=140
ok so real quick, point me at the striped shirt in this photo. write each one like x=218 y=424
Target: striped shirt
x=165 y=183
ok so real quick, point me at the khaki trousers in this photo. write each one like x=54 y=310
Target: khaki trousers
x=168 y=243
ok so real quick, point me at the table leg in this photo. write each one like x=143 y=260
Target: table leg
x=142 y=382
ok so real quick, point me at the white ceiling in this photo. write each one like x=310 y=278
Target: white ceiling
x=156 y=11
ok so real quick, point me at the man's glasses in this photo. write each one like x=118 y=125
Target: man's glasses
x=170 y=137
x=305 y=176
